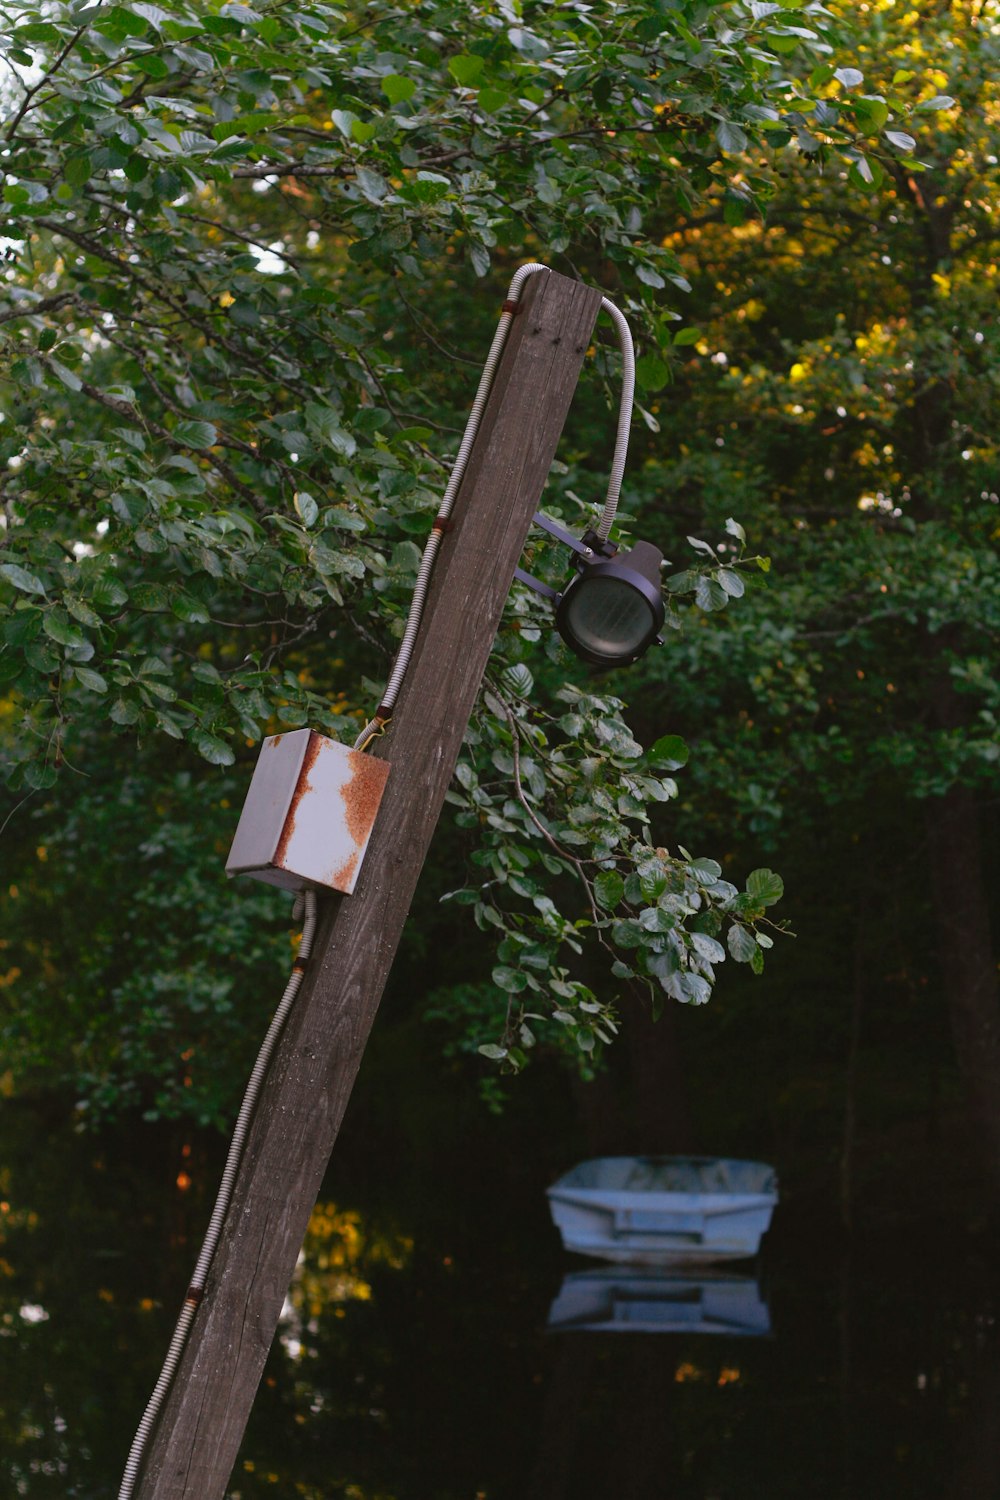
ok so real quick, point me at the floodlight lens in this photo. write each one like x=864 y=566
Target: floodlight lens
x=610 y=612
x=607 y=617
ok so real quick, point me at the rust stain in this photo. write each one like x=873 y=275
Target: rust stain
x=341 y=879
x=302 y=786
x=363 y=793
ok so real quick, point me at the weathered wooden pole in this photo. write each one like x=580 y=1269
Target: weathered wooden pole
x=202 y=1425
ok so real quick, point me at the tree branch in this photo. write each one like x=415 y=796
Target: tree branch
x=125 y=409
x=577 y=864
x=26 y=101
x=46 y=304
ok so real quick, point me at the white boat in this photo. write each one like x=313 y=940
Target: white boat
x=643 y=1299
x=656 y=1210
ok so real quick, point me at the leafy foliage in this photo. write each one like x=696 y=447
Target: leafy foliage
x=136 y=983
x=569 y=798
x=845 y=386
x=234 y=233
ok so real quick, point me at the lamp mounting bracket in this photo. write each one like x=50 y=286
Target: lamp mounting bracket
x=536 y=584
x=589 y=546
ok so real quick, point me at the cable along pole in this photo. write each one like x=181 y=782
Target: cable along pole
x=307 y=1089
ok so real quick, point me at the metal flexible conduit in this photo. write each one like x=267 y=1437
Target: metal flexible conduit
x=241 y=1130
x=374 y=726
x=532 y=268
x=624 y=418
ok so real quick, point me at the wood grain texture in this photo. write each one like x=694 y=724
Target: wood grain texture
x=314 y=1069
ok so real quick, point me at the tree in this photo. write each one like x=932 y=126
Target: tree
x=234 y=233
x=845 y=387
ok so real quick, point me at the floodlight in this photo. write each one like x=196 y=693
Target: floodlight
x=612 y=610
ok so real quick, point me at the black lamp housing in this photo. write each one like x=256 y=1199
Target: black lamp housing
x=612 y=611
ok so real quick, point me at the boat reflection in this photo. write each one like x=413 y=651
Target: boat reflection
x=678 y=1299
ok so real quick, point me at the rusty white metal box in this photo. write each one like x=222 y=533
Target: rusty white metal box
x=309 y=813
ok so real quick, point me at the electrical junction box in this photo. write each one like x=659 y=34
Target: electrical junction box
x=309 y=813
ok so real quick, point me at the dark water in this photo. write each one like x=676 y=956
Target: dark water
x=415 y=1361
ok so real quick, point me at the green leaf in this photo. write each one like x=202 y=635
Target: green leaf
x=152 y=598
x=687 y=336
x=491 y=100
x=851 y=78
x=694 y=988
x=901 y=140
x=195 y=434
x=398 y=89
x=69 y=379
x=707 y=947
x=741 y=943
x=609 y=889
x=465 y=68
x=517 y=677
x=59 y=628
x=874 y=112
x=681 y=583
x=92 y=681
x=306 y=507
x=212 y=748
x=735 y=208
x=372 y=184
x=863 y=173
x=730 y=137
x=650 y=277
x=940 y=101
x=152 y=65
x=154 y=14
x=185 y=607
x=732 y=583
x=765 y=886
x=344 y=120
x=83 y=612
x=27 y=582
x=710 y=595
x=38 y=31
x=513 y=981
x=39 y=776
x=668 y=753
x=651 y=373
x=77 y=169
x=628 y=934
x=735 y=529
x=492 y=1051
x=41 y=657
x=107 y=592
x=123 y=711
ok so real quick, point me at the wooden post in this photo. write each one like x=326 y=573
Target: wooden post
x=301 y=1108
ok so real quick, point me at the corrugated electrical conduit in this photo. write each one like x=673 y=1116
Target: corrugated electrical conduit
x=383 y=714
x=305 y=907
